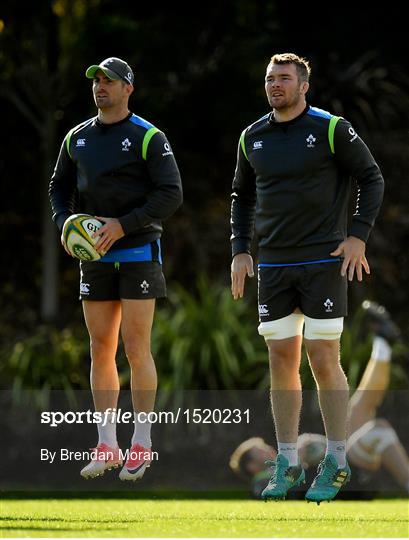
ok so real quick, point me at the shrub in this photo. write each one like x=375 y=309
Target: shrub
x=49 y=359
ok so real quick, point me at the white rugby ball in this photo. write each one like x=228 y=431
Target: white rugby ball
x=77 y=233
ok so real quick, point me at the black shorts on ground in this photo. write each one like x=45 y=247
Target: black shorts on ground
x=318 y=290
x=125 y=280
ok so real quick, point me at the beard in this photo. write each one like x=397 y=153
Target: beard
x=103 y=102
x=285 y=102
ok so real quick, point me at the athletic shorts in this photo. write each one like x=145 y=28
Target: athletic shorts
x=125 y=280
x=317 y=289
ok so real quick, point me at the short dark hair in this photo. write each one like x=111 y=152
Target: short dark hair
x=302 y=65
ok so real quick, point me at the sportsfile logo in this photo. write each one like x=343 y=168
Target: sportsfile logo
x=189 y=416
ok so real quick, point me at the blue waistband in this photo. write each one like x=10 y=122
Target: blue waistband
x=148 y=252
x=273 y=265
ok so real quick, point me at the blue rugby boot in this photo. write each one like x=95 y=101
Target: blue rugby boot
x=329 y=480
x=283 y=478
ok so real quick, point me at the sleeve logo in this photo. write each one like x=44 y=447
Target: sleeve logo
x=354 y=134
x=168 y=149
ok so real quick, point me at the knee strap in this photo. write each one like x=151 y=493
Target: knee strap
x=283 y=328
x=323 y=328
x=372 y=439
x=379 y=438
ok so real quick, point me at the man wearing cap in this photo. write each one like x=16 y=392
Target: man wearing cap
x=120 y=168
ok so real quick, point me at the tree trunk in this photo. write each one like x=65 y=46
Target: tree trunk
x=50 y=242
x=49 y=282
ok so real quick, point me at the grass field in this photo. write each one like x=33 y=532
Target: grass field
x=201 y=518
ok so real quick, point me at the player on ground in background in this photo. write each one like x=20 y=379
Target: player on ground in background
x=292 y=181
x=120 y=168
x=373 y=443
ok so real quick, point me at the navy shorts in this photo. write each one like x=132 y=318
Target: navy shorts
x=317 y=289
x=121 y=280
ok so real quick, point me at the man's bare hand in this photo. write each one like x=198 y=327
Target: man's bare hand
x=241 y=267
x=353 y=251
x=109 y=233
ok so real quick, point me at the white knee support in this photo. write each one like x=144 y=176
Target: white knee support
x=374 y=437
x=379 y=438
x=323 y=328
x=370 y=441
x=283 y=328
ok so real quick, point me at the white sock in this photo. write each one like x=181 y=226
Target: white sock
x=289 y=450
x=338 y=450
x=142 y=432
x=107 y=432
x=381 y=350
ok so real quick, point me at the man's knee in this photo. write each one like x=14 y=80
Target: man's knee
x=101 y=346
x=324 y=359
x=323 y=371
x=284 y=356
x=323 y=352
x=137 y=351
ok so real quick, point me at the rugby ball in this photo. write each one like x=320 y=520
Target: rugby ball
x=77 y=234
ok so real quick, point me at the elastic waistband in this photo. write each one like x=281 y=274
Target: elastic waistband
x=148 y=252
x=275 y=265
x=297 y=254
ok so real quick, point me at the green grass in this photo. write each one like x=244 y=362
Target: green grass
x=201 y=518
